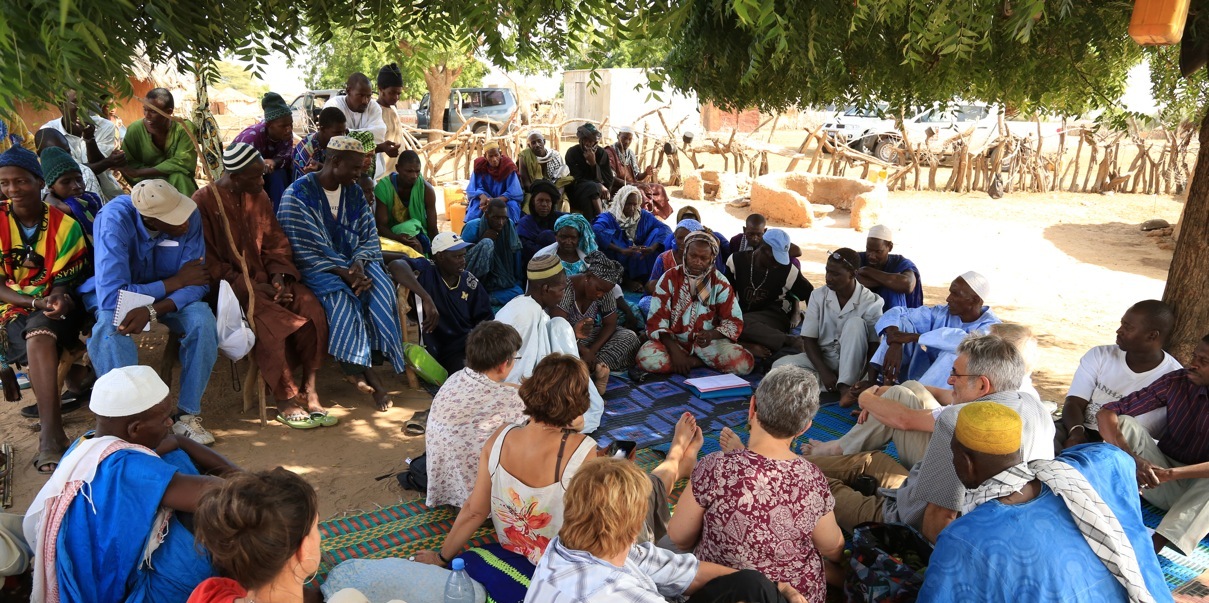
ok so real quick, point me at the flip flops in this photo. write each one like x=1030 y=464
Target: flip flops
x=306 y=422
x=43 y=459
x=324 y=419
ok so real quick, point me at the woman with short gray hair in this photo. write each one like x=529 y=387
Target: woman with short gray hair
x=765 y=507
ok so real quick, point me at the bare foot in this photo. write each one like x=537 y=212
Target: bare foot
x=729 y=440
x=291 y=410
x=686 y=442
x=758 y=350
x=601 y=377
x=817 y=448
x=359 y=382
x=383 y=401
x=312 y=401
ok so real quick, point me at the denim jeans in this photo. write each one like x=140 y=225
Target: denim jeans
x=198 y=350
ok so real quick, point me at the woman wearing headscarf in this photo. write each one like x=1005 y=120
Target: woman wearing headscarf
x=631 y=235
x=575 y=240
x=589 y=165
x=688 y=212
x=625 y=171
x=588 y=297
x=274 y=139
x=695 y=317
x=536 y=228
x=494 y=177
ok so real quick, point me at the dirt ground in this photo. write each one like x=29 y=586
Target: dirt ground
x=1068 y=265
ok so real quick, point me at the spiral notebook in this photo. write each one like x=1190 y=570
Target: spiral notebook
x=127 y=301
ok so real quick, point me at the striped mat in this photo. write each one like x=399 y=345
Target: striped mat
x=403 y=529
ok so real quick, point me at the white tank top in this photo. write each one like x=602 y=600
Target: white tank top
x=526 y=519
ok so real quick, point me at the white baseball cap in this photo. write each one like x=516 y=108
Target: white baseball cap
x=448 y=241
x=127 y=391
x=159 y=200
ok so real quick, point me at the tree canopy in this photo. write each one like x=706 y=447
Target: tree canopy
x=1064 y=57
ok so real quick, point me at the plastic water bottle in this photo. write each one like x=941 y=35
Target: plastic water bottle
x=458 y=587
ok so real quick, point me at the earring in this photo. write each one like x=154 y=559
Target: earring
x=313 y=574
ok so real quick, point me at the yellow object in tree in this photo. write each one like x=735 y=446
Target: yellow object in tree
x=1158 y=22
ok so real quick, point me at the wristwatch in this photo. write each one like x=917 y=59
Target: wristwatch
x=151 y=312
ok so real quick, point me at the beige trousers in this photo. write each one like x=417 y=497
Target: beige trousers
x=851 y=507
x=873 y=434
x=847 y=358
x=1187 y=519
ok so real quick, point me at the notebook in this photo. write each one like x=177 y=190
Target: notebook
x=717 y=382
x=127 y=301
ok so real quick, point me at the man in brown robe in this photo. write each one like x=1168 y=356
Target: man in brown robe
x=291 y=326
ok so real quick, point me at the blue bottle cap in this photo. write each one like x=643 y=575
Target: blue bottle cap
x=458 y=564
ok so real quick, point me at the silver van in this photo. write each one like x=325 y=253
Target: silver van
x=492 y=103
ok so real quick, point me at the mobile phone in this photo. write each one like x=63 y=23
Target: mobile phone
x=621 y=449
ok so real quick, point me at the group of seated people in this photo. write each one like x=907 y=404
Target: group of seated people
x=526 y=310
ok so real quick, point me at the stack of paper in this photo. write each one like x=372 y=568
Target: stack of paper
x=719 y=386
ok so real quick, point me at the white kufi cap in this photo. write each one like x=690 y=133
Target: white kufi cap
x=882 y=232
x=978 y=283
x=127 y=391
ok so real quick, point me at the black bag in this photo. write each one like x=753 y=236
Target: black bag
x=416 y=476
x=888 y=563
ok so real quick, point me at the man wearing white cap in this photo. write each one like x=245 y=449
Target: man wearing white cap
x=106 y=526
x=889 y=275
x=151 y=243
x=904 y=354
x=334 y=236
x=452 y=299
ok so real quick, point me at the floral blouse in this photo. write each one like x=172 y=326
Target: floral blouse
x=760 y=514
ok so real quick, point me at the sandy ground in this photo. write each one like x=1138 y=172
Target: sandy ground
x=1066 y=264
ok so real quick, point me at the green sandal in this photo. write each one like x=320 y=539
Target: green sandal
x=297 y=423
x=324 y=419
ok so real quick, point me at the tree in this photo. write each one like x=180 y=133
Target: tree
x=237 y=77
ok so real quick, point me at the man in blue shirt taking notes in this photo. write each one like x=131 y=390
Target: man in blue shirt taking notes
x=151 y=242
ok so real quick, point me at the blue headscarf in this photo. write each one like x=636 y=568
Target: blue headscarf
x=587 y=237
x=689 y=224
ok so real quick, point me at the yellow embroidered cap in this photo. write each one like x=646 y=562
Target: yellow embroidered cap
x=989 y=428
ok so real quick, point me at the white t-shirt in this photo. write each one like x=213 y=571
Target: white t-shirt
x=1103 y=377
x=333 y=200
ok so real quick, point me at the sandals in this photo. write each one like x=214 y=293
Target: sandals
x=70 y=402
x=417 y=424
x=323 y=419
x=298 y=421
x=44 y=458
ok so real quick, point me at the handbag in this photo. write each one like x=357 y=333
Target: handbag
x=888 y=563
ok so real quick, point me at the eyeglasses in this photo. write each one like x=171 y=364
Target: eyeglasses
x=835 y=255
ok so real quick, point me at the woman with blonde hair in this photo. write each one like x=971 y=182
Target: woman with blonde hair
x=596 y=556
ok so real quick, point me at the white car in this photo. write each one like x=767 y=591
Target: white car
x=873 y=131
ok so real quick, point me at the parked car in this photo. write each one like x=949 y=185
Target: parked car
x=306 y=108
x=872 y=131
x=492 y=103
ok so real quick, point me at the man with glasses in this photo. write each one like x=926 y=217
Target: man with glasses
x=930 y=495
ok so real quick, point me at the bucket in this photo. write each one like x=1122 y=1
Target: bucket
x=457 y=216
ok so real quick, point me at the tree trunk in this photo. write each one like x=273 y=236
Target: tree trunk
x=439 y=79
x=1188 y=278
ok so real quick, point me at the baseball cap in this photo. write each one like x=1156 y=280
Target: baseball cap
x=778 y=240
x=448 y=241
x=160 y=200
x=127 y=391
